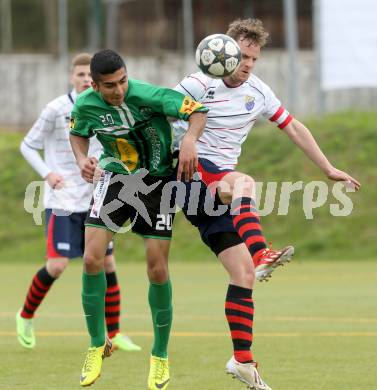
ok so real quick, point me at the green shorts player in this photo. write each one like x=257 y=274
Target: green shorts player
x=129 y=118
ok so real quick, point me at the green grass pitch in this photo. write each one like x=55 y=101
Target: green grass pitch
x=315 y=322
x=315 y=328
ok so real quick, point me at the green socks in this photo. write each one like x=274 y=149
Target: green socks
x=93 y=302
x=160 y=302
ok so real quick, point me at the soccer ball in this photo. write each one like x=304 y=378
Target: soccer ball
x=218 y=55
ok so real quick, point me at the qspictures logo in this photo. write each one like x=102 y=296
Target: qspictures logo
x=270 y=198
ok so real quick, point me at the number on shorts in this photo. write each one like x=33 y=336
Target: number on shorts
x=164 y=222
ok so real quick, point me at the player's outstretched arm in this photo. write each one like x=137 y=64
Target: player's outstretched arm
x=32 y=156
x=188 y=157
x=87 y=165
x=303 y=138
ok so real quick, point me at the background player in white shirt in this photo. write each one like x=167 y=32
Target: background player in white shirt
x=66 y=199
x=234 y=104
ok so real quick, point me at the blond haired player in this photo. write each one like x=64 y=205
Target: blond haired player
x=234 y=103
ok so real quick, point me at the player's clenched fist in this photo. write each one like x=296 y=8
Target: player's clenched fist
x=87 y=168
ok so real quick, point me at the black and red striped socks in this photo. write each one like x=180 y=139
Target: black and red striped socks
x=38 y=289
x=247 y=224
x=239 y=311
x=112 y=304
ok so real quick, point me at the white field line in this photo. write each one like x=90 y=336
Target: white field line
x=207 y=334
x=211 y=318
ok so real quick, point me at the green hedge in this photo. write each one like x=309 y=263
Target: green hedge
x=349 y=139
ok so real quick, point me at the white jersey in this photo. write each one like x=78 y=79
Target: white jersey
x=51 y=134
x=232 y=114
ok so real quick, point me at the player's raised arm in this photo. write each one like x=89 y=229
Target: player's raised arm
x=303 y=138
x=196 y=114
x=188 y=157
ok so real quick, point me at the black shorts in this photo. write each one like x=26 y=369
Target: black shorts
x=135 y=199
x=216 y=231
x=220 y=241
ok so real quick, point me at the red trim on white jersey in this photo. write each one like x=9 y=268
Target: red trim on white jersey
x=199 y=81
x=213 y=146
x=286 y=122
x=281 y=117
x=216 y=101
x=231 y=116
x=277 y=114
x=225 y=129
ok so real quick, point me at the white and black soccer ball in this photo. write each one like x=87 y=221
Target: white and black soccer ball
x=218 y=55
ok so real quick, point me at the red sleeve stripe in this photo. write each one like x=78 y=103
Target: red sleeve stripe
x=286 y=122
x=277 y=114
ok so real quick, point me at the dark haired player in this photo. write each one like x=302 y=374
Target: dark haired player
x=129 y=119
x=66 y=200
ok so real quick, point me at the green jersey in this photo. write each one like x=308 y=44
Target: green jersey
x=135 y=134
